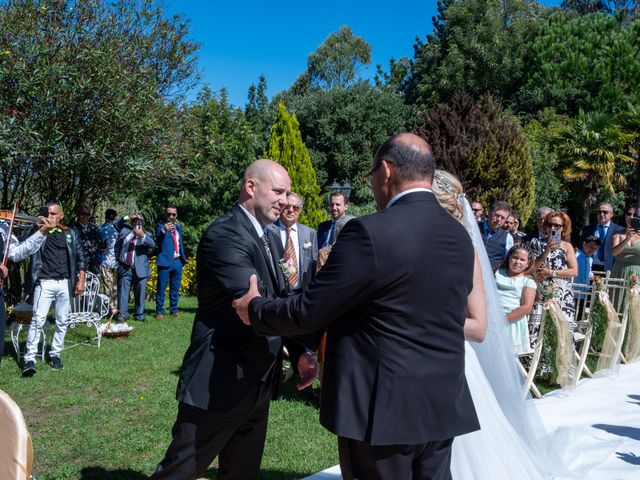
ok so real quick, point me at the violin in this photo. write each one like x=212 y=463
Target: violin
x=22 y=220
x=18 y=218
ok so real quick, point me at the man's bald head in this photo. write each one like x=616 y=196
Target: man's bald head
x=410 y=155
x=264 y=190
x=261 y=169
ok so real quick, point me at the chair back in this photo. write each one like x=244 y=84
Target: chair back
x=85 y=302
x=16 y=450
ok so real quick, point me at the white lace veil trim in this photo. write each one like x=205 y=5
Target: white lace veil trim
x=497 y=357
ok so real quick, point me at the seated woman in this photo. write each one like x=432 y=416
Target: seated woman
x=517 y=290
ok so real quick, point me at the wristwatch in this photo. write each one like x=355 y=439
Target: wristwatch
x=554 y=274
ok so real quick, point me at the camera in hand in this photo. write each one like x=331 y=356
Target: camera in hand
x=555 y=236
x=137 y=223
x=635 y=223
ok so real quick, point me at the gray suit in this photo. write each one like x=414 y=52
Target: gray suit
x=307 y=248
x=135 y=274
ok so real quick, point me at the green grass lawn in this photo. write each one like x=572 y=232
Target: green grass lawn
x=108 y=414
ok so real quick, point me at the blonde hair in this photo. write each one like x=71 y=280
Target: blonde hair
x=448 y=191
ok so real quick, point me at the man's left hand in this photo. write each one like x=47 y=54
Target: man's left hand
x=241 y=305
x=308 y=370
x=79 y=288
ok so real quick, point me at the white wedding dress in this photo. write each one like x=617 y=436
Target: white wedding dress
x=511 y=443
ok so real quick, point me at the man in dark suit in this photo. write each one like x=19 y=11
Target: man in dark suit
x=229 y=374
x=394 y=296
x=169 y=261
x=604 y=229
x=327 y=231
x=132 y=251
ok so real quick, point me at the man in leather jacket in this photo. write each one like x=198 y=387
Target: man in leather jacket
x=56 y=273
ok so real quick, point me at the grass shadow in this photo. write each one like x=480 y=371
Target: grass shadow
x=290 y=392
x=266 y=474
x=99 y=473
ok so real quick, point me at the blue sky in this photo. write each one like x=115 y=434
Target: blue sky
x=243 y=39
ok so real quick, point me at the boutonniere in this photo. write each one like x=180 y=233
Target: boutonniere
x=307 y=246
x=288 y=267
x=68 y=235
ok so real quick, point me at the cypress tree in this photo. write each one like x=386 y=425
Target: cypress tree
x=285 y=146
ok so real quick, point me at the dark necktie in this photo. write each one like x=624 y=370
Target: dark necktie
x=265 y=242
x=131 y=250
x=602 y=234
x=332 y=233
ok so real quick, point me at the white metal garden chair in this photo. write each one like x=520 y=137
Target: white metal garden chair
x=90 y=307
x=617 y=291
x=585 y=296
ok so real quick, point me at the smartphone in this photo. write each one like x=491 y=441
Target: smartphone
x=635 y=223
x=555 y=236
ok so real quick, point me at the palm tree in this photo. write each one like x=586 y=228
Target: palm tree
x=593 y=149
x=631 y=124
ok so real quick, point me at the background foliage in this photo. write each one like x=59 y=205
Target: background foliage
x=92 y=108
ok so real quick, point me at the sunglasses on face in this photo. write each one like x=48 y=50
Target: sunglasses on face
x=295 y=208
x=603 y=212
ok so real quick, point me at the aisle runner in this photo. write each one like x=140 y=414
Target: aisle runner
x=600 y=409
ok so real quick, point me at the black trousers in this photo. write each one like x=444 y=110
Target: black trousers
x=236 y=437
x=362 y=461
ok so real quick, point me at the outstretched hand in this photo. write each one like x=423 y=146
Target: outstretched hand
x=241 y=305
x=308 y=370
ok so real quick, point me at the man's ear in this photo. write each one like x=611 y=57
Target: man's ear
x=387 y=168
x=250 y=186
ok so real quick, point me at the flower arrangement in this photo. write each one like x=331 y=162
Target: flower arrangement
x=634 y=283
x=288 y=267
x=307 y=246
x=548 y=290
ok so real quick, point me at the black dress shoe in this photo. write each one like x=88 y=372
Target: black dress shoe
x=29 y=369
x=55 y=363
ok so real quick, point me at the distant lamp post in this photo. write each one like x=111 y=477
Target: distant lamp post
x=345 y=188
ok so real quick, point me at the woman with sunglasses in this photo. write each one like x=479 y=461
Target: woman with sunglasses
x=558 y=264
x=626 y=245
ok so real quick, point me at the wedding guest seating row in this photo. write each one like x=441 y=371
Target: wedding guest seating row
x=617 y=300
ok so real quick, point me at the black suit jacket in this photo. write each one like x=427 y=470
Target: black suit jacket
x=394 y=294
x=226 y=359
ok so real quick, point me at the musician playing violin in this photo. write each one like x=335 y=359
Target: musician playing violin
x=56 y=272
x=15 y=252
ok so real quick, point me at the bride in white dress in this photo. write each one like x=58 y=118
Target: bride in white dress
x=511 y=441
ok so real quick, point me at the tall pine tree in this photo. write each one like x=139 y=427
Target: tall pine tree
x=285 y=146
